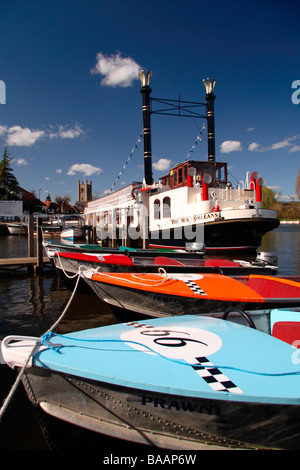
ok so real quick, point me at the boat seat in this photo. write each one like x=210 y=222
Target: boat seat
x=220 y=262
x=165 y=261
x=274 y=288
x=99 y=258
x=287 y=331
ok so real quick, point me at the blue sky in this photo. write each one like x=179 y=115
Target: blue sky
x=73 y=108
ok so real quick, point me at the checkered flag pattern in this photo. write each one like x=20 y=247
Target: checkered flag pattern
x=195 y=288
x=214 y=377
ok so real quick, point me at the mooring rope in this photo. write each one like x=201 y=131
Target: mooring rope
x=63 y=270
x=39 y=340
x=161 y=272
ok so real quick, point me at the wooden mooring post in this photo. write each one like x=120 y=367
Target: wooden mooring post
x=39 y=246
x=30 y=236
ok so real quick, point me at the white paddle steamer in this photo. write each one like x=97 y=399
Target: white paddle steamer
x=194 y=204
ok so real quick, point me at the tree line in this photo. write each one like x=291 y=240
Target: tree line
x=9 y=185
x=286 y=210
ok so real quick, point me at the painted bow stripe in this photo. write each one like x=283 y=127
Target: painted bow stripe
x=214 y=377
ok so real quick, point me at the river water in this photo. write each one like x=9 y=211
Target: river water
x=29 y=305
x=285 y=242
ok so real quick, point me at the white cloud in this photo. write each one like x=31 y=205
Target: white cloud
x=84 y=168
x=250 y=129
x=116 y=70
x=71 y=133
x=254 y=146
x=21 y=161
x=287 y=143
x=58 y=171
x=162 y=165
x=296 y=148
x=280 y=145
x=231 y=146
x=22 y=136
x=47 y=178
x=26 y=137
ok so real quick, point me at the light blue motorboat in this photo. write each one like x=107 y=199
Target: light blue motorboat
x=184 y=382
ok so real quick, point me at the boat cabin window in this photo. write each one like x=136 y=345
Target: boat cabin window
x=185 y=170
x=208 y=169
x=217 y=172
x=166 y=207
x=221 y=174
x=180 y=176
x=157 y=209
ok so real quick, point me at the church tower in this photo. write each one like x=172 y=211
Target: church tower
x=84 y=191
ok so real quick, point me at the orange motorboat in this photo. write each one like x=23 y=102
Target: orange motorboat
x=163 y=294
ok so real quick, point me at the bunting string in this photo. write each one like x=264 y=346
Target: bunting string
x=198 y=139
x=127 y=161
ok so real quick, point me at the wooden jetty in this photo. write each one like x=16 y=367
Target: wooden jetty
x=32 y=263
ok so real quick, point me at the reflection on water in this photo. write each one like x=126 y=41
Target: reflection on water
x=285 y=242
x=26 y=303
x=14 y=247
x=30 y=305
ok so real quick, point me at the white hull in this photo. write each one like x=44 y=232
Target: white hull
x=72 y=227
x=229 y=219
x=17 y=229
x=73 y=233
